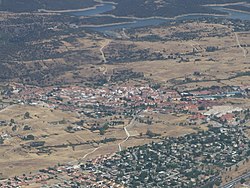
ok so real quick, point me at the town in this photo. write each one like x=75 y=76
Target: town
x=117 y=94
x=198 y=159
x=128 y=100
x=193 y=160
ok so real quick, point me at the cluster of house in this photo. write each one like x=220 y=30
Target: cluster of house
x=25 y=180
x=194 y=160
x=117 y=100
x=62 y=175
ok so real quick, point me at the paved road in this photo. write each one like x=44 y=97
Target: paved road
x=236 y=181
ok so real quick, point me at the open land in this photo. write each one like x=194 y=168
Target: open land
x=76 y=102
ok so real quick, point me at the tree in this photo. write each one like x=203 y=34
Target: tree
x=242 y=180
x=26 y=115
x=1 y=140
x=201 y=108
x=29 y=137
x=26 y=128
x=12 y=121
x=217 y=182
x=142 y=176
x=69 y=129
x=102 y=131
x=14 y=128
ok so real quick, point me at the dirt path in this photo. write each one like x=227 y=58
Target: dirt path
x=104 y=70
x=127 y=133
x=6 y=108
x=87 y=154
x=124 y=34
x=105 y=44
x=195 y=45
x=239 y=45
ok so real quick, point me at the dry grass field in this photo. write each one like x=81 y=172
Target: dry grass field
x=219 y=67
x=14 y=156
x=45 y=126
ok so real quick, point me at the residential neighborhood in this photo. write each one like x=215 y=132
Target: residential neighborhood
x=192 y=160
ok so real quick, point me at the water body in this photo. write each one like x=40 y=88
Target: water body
x=99 y=9
x=234 y=14
x=105 y=7
x=144 y=22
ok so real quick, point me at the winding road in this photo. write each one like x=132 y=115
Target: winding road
x=106 y=43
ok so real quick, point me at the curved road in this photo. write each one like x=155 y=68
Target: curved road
x=102 y=52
